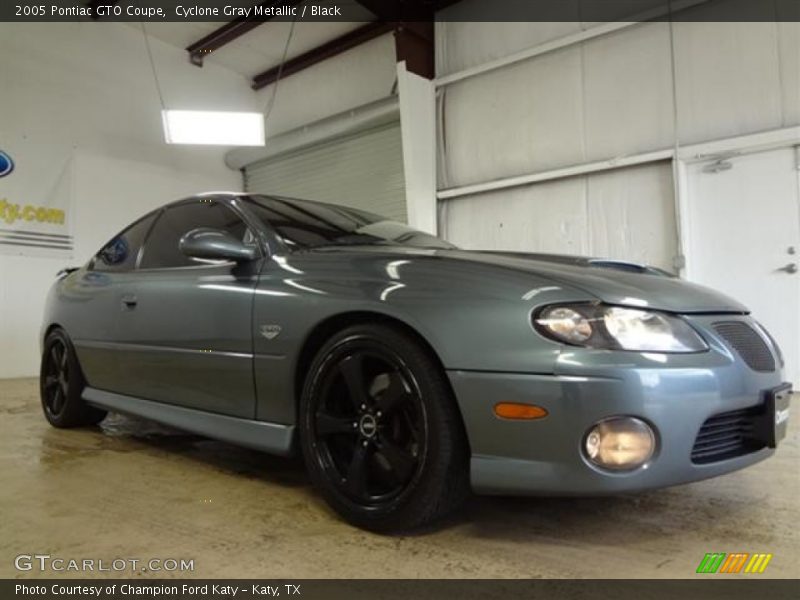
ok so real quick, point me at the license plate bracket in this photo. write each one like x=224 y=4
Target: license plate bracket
x=771 y=427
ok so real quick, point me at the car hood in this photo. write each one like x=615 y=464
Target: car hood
x=609 y=282
x=613 y=282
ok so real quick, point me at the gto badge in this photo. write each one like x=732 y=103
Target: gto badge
x=270 y=331
x=781 y=416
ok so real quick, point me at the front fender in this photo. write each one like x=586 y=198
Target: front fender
x=475 y=318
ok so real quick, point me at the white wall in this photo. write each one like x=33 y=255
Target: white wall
x=85 y=91
x=613 y=95
x=348 y=80
x=620 y=214
x=598 y=100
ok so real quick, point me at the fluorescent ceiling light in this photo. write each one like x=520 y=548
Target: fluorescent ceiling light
x=222 y=128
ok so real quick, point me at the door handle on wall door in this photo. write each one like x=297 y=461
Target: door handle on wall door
x=129 y=301
x=791 y=268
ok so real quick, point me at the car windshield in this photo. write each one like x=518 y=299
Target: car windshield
x=306 y=224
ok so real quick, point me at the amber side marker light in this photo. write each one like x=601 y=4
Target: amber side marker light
x=519 y=411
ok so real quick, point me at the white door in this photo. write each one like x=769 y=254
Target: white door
x=744 y=239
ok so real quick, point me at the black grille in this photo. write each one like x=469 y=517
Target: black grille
x=727 y=435
x=748 y=343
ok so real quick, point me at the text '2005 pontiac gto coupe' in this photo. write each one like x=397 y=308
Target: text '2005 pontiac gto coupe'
x=405 y=370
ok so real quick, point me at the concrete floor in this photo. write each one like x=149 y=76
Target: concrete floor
x=135 y=490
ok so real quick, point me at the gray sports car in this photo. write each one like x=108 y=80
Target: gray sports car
x=406 y=370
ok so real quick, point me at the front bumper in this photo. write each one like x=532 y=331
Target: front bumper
x=675 y=394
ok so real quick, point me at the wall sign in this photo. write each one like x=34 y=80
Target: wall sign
x=6 y=164
x=35 y=199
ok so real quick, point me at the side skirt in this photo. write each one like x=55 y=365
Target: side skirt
x=259 y=435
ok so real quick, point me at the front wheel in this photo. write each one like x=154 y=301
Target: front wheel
x=61 y=385
x=380 y=430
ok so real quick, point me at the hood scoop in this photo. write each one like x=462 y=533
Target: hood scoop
x=626 y=266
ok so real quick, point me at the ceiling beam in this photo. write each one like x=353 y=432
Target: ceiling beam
x=411 y=21
x=229 y=32
x=411 y=14
x=381 y=9
x=415 y=46
x=327 y=50
x=218 y=38
x=405 y=11
x=414 y=31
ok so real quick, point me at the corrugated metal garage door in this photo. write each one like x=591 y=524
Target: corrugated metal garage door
x=364 y=171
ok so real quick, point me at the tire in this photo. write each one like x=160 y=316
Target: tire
x=381 y=434
x=61 y=384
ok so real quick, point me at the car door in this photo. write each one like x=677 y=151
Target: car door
x=95 y=303
x=185 y=329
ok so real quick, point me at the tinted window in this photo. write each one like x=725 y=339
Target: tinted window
x=121 y=252
x=305 y=224
x=162 y=249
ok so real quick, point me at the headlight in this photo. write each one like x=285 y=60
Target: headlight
x=617 y=328
x=621 y=443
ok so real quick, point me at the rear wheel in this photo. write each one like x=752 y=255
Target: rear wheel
x=61 y=385
x=381 y=434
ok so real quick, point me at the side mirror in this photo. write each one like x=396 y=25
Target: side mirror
x=215 y=244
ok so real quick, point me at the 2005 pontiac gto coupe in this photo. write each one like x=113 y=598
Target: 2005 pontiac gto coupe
x=409 y=371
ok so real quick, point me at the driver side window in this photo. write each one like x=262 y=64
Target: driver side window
x=120 y=253
x=162 y=249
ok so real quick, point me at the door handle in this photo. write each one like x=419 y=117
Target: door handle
x=129 y=301
x=791 y=268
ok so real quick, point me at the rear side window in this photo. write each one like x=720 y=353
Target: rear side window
x=121 y=252
x=162 y=250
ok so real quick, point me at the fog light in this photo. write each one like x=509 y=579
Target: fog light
x=620 y=443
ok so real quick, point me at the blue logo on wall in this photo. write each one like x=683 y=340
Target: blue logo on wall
x=6 y=164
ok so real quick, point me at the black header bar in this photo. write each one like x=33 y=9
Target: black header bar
x=709 y=588
x=398 y=11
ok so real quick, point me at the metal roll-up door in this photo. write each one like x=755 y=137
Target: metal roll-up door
x=363 y=170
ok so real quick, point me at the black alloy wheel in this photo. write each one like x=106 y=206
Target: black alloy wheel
x=61 y=384
x=55 y=386
x=369 y=425
x=373 y=409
